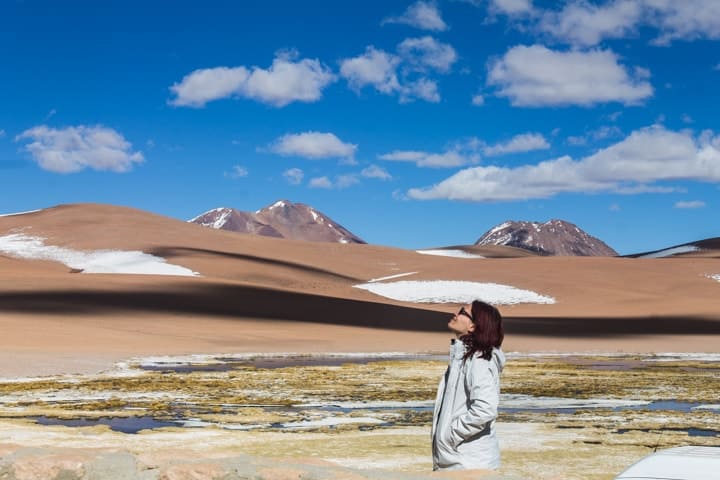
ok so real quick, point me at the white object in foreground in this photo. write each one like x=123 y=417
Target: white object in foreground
x=95 y=261
x=679 y=463
x=448 y=291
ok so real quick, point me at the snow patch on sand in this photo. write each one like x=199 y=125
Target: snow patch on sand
x=449 y=291
x=708 y=407
x=448 y=253
x=671 y=251
x=96 y=261
x=714 y=277
x=372 y=280
x=18 y=213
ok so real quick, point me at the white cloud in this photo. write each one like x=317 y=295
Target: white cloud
x=424 y=15
x=478 y=100
x=422 y=88
x=615 y=207
x=374 y=171
x=630 y=166
x=586 y=24
x=378 y=69
x=537 y=76
x=684 y=20
x=583 y=23
x=320 y=182
x=375 y=67
x=294 y=176
x=2 y=133
x=600 y=133
x=286 y=81
x=73 y=149
x=507 y=7
x=341 y=181
x=524 y=142
x=237 y=172
x=577 y=140
x=313 y=145
x=686 y=118
x=427 y=53
x=205 y=85
x=347 y=180
x=447 y=159
x=512 y=7
x=690 y=204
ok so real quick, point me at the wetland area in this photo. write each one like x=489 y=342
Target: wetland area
x=561 y=416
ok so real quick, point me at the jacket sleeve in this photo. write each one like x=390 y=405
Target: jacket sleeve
x=482 y=391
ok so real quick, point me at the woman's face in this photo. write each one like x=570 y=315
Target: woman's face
x=461 y=322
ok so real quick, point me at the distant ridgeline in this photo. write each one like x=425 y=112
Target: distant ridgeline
x=555 y=237
x=282 y=219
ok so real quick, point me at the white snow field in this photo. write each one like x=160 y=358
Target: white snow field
x=715 y=277
x=97 y=261
x=18 y=213
x=671 y=251
x=448 y=253
x=453 y=291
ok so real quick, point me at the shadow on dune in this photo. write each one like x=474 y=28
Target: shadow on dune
x=231 y=301
x=594 y=327
x=170 y=252
x=226 y=301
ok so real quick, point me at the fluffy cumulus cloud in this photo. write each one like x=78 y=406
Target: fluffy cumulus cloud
x=237 y=171
x=684 y=20
x=286 y=81
x=536 y=76
x=690 y=204
x=506 y=7
x=525 y=142
x=376 y=68
x=294 y=176
x=313 y=145
x=73 y=149
x=449 y=159
x=424 y=15
x=374 y=171
x=320 y=182
x=584 y=23
x=379 y=69
x=427 y=53
x=633 y=165
x=512 y=7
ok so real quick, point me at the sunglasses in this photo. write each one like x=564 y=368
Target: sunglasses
x=462 y=311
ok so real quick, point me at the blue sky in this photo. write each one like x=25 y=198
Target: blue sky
x=413 y=124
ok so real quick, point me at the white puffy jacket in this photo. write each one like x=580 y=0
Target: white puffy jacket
x=463 y=429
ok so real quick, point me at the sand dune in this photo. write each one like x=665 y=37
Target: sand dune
x=266 y=294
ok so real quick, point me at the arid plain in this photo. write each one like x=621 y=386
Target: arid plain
x=259 y=295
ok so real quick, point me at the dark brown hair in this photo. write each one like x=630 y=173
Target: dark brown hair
x=488 y=333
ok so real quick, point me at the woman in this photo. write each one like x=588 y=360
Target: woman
x=463 y=430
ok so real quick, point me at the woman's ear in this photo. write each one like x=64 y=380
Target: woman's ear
x=471 y=327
